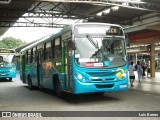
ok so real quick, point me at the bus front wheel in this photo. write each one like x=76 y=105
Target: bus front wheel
x=57 y=88
x=10 y=79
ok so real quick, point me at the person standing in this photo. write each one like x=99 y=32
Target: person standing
x=139 y=71
x=131 y=74
x=143 y=68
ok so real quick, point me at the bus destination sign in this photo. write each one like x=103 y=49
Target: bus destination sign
x=6 y=51
x=114 y=31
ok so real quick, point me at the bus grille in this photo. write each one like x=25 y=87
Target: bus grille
x=4 y=69
x=104 y=80
x=100 y=74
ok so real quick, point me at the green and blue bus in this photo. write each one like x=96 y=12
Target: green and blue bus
x=81 y=58
x=7 y=63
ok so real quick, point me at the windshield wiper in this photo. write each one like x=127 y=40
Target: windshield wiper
x=92 y=41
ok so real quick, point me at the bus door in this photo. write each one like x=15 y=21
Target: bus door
x=68 y=67
x=23 y=64
x=39 y=67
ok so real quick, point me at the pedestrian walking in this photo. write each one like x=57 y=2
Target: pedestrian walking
x=131 y=74
x=143 y=68
x=139 y=70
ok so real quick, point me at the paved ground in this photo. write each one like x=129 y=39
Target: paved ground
x=148 y=84
x=144 y=96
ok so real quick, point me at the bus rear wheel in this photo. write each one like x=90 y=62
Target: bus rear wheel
x=30 y=83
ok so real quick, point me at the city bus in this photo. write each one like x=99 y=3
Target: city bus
x=7 y=63
x=81 y=58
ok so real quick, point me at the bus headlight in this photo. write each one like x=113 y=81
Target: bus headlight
x=80 y=77
x=11 y=70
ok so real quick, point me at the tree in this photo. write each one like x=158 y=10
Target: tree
x=11 y=43
x=2 y=45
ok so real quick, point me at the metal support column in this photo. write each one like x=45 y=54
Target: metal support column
x=152 y=60
x=136 y=58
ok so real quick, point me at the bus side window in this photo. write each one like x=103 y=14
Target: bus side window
x=39 y=52
x=26 y=56
x=52 y=48
x=48 y=51
x=42 y=57
x=31 y=56
x=34 y=54
x=57 y=48
x=44 y=51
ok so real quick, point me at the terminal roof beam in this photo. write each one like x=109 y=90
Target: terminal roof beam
x=50 y=10
x=30 y=24
x=134 y=4
x=145 y=22
x=47 y=17
x=15 y=14
x=34 y=14
x=5 y=1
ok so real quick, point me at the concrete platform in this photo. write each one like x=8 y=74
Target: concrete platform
x=147 y=84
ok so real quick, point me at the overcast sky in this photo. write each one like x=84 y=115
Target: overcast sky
x=29 y=34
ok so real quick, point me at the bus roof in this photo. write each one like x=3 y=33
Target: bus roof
x=69 y=27
x=34 y=44
x=87 y=23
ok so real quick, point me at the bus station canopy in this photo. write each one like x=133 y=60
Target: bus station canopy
x=134 y=15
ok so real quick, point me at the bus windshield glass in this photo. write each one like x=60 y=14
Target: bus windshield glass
x=99 y=50
x=6 y=56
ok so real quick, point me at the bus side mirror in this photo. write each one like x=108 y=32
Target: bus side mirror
x=127 y=40
x=1 y=58
x=73 y=46
x=17 y=54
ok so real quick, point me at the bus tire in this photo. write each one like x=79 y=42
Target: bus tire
x=57 y=88
x=10 y=79
x=98 y=93
x=30 y=83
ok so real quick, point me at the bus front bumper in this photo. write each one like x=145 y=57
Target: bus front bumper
x=100 y=87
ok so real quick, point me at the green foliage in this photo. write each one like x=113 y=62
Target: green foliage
x=11 y=43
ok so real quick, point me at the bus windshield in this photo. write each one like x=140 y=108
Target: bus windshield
x=94 y=51
x=6 y=57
